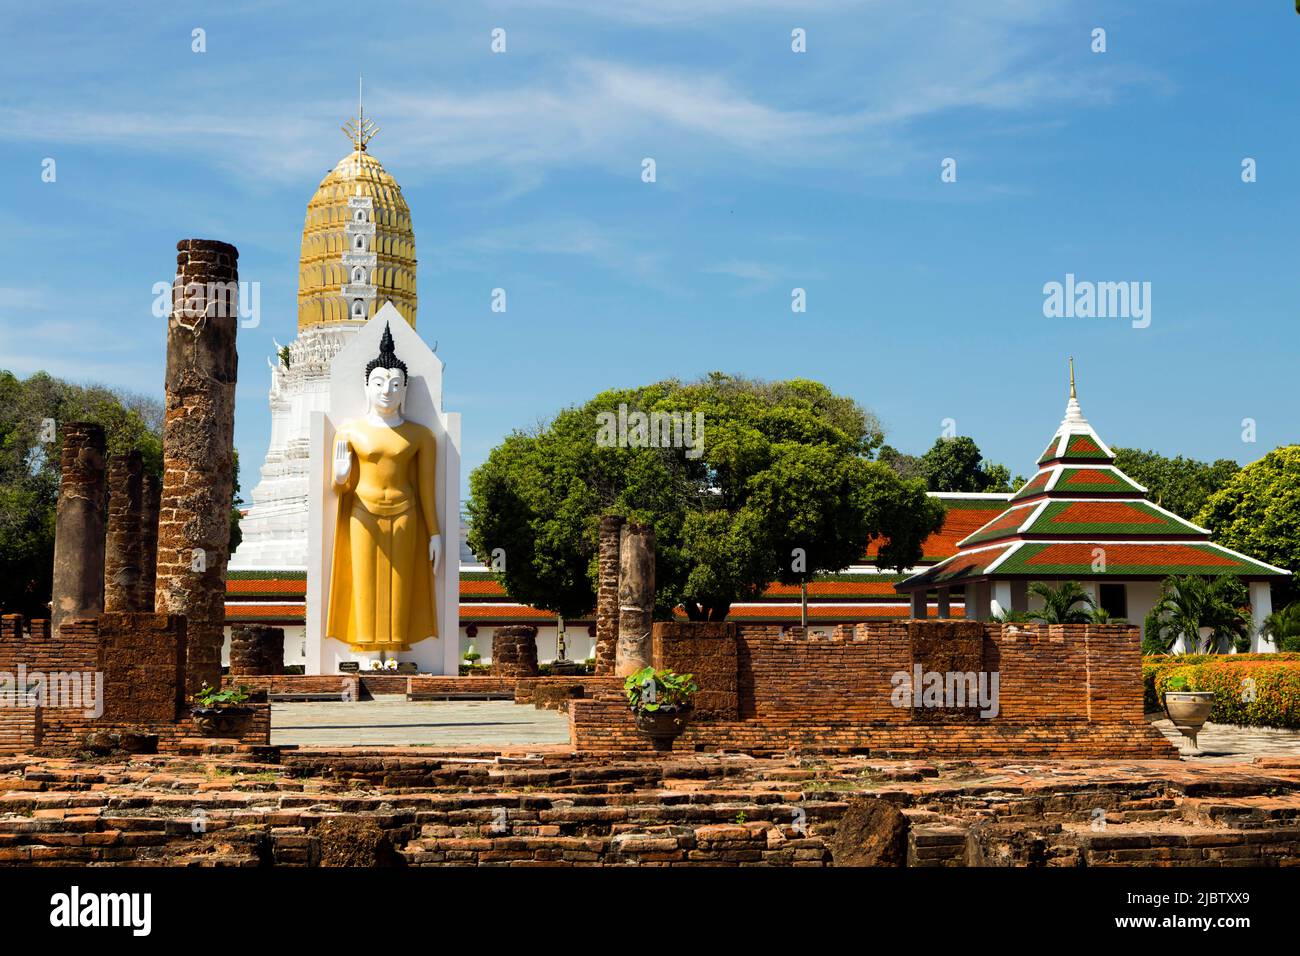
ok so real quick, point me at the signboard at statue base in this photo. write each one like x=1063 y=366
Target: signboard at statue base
x=383 y=509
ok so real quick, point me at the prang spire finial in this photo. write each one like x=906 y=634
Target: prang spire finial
x=1072 y=394
x=360 y=131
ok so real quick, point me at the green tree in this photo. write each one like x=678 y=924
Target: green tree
x=1061 y=604
x=782 y=486
x=904 y=465
x=1183 y=485
x=955 y=464
x=1257 y=512
x=1187 y=604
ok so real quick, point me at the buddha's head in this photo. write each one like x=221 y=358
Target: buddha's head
x=386 y=378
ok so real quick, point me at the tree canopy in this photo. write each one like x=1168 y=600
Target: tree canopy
x=1182 y=485
x=1257 y=511
x=956 y=464
x=779 y=484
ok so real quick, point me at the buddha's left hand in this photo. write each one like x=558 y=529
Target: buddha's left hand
x=435 y=550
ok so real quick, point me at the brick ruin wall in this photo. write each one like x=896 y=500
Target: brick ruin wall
x=1064 y=690
x=141 y=658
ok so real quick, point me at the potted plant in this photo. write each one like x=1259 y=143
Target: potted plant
x=661 y=703
x=1187 y=708
x=219 y=713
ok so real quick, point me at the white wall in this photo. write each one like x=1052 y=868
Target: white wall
x=579 y=645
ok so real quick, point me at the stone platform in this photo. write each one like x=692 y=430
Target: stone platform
x=398 y=722
x=527 y=807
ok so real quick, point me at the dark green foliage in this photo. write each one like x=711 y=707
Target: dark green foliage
x=956 y=464
x=1190 y=603
x=1061 y=605
x=783 y=486
x=1182 y=485
x=650 y=690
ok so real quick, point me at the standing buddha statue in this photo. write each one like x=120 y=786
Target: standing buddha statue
x=387 y=545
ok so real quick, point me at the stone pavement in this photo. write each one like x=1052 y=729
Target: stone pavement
x=1224 y=743
x=398 y=722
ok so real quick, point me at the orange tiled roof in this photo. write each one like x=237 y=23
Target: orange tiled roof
x=250 y=586
x=257 y=612
x=957 y=524
x=831 y=589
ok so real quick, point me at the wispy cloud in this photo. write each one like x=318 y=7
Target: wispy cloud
x=698 y=119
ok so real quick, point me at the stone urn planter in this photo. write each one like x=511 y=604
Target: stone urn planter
x=220 y=713
x=221 y=721
x=1189 y=710
x=663 y=726
x=661 y=703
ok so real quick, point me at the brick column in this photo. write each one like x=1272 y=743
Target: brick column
x=150 y=494
x=257 y=650
x=79 y=526
x=514 y=651
x=198 y=440
x=636 y=597
x=607 y=594
x=122 y=542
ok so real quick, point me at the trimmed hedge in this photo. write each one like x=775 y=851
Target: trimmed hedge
x=1276 y=688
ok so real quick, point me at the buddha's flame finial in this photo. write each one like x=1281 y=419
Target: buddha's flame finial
x=360 y=131
x=1072 y=394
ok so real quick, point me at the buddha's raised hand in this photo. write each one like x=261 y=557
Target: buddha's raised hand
x=342 y=461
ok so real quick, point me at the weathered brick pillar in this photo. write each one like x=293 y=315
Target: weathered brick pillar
x=150 y=494
x=122 y=542
x=198 y=441
x=607 y=594
x=636 y=597
x=79 y=526
x=257 y=650
x=514 y=651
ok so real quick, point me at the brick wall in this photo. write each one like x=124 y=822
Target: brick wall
x=141 y=660
x=1065 y=690
x=709 y=652
x=295 y=683
x=20 y=730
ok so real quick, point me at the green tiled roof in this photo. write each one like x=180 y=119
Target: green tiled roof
x=1108 y=517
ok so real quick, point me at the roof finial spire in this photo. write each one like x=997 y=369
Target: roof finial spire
x=1072 y=394
x=360 y=130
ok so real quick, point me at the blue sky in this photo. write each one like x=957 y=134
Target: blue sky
x=775 y=170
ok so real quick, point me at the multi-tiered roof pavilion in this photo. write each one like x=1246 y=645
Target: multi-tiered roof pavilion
x=1082 y=519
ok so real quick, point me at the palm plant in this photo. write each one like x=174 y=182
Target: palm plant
x=1060 y=605
x=1012 y=617
x=1284 y=627
x=1188 y=604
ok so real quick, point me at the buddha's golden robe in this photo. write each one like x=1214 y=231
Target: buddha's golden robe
x=381 y=582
